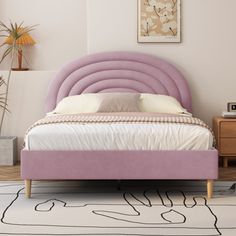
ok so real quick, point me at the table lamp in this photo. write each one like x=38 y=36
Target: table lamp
x=24 y=40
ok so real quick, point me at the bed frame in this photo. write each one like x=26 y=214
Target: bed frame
x=119 y=72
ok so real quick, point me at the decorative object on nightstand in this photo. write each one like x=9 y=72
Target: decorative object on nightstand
x=231 y=106
x=231 y=110
x=24 y=39
x=228 y=114
x=225 y=132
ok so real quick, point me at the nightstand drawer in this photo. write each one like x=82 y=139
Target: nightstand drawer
x=228 y=129
x=228 y=146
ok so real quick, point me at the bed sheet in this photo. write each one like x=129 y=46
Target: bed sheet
x=119 y=136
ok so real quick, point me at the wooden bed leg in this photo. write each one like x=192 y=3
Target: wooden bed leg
x=209 y=188
x=28 y=188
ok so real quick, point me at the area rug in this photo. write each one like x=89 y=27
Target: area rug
x=112 y=208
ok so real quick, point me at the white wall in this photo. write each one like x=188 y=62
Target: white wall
x=206 y=55
x=26 y=101
x=70 y=28
x=60 y=34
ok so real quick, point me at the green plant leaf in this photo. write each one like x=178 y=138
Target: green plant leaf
x=2 y=82
x=4 y=26
x=3 y=35
x=3 y=103
x=6 y=53
x=3 y=44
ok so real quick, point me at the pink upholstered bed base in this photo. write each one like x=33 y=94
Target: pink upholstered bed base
x=119 y=165
x=123 y=72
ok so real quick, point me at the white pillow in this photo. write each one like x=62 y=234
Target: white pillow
x=161 y=104
x=98 y=102
x=83 y=103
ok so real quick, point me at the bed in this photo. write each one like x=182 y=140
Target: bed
x=118 y=72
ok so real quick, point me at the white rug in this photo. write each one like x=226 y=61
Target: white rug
x=100 y=208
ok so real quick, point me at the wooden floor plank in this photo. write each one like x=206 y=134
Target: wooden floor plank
x=10 y=172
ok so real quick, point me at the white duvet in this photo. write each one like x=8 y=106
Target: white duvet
x=118 y=136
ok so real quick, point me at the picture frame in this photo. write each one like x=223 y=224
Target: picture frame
x=159 y=21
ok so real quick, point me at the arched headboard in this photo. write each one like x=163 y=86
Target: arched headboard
x=118 y=72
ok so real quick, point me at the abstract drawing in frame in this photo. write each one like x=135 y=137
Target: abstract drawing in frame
x=159 y=21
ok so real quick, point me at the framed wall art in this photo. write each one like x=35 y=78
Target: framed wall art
x=159 y=21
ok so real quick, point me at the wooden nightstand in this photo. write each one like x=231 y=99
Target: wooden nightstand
x=225 y=132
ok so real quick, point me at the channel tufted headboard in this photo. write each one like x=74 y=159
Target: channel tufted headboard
x=118 y=72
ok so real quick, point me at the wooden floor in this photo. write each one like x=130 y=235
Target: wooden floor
x=10 y=172
x=13 y=172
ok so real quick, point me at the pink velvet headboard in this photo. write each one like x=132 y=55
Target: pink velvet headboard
x=118 y=72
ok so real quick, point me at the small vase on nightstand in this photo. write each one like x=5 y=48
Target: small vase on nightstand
x=8 y=152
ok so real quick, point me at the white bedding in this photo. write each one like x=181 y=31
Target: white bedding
x=119 y=137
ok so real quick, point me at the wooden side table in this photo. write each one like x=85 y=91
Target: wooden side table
x=225 y=133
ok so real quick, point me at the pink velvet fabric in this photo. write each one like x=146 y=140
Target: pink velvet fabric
x=119 y=164
x=118 y=72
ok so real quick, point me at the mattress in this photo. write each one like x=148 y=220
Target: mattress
x=119 y=136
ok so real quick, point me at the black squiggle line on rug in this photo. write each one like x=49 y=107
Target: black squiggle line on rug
x=100 y=227
x=36 y=208
x=109 y=213
x=4 y=212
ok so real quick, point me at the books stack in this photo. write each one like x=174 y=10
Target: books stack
x=229 y=114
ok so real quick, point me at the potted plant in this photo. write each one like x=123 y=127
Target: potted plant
x=12 y=36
